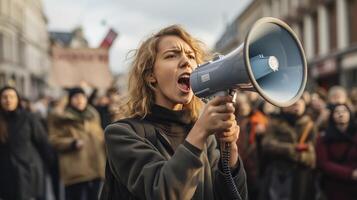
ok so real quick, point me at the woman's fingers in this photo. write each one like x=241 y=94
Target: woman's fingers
x=224 y=108
x=220 y=100
x=230 y=136
x=223 y=117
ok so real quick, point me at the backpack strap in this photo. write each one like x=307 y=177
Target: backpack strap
x=143 y=128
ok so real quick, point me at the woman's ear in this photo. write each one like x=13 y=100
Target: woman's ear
x=151 y=78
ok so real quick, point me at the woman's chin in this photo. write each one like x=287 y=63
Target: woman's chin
x=187 y=98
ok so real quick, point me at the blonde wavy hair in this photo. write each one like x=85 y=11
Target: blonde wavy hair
x=140 y=94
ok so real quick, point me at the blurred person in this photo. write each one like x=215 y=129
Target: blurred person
x=253 y=97
x=318 y=111
x=252 y=130
x=24 y=150
x=180 y=159
x=102 y=106
x=337 y=95
x=57 y=106
x=269 y=109
x=353 y=97
x=78 y=137
x=306 y=96
x=288 y=148
x=41 y=106
x=26 y=104
x=336 y=153
x=108 y=106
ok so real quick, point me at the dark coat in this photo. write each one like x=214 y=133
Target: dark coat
x=147 y=171
x=337 y=159
x=22 y=156
x=288 y=171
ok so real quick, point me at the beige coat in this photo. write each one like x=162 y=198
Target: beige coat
x=78 y=165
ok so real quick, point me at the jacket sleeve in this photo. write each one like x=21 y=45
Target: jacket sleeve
x=145 y=172
x=220 y=189
x=328 y=166
x=57 y=137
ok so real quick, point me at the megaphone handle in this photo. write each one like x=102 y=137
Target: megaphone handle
x=225 y=149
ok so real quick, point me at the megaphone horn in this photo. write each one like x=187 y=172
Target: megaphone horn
x=271 y=61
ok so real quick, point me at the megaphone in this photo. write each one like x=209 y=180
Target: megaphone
x=271 y=61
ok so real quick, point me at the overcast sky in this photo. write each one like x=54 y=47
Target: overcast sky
x=136 y=19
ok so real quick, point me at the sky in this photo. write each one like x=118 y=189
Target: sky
x=135 y=20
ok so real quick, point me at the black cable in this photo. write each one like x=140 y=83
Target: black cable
x=228 y=178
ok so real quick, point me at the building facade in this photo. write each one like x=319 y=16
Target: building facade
x=24 y=45
x=326 y=28
x=74 y=63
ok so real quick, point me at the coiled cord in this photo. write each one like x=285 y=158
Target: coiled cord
x=228 y=178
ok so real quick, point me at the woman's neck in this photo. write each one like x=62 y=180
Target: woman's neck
x=170 y=106
x=342 y=127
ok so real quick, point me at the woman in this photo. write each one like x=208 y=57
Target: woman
x=184 y=163
x=77 y=136
x=337 y=155
x=23 y=148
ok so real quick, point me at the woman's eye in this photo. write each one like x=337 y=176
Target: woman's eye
x=171 y=56
x=192 y=57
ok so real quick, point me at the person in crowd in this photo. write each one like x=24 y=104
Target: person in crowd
x=26 y=104
x=336 y=152
x=353 y=97
x=108 y=106
x=252 y=129
x=24 y=150
x=288 y=148
x=306 y=96
x=180 y=159
x=40 y=107
x=77 y=136
x=337 y=95
x=318 y=110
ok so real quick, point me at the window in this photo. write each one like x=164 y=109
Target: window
x=21 y=52
x=301 y=27
x=2 y=47
x=351 y=77
x=332 y=25
x=2 y=80
x=352 y=17
x=316 y=33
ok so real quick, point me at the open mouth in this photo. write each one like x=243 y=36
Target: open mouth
x=184 y=82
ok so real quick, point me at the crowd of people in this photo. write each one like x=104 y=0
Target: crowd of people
x=166 y=142
x=305 y=151
x=53 y=148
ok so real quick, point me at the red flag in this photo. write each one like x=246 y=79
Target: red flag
x=109 y=39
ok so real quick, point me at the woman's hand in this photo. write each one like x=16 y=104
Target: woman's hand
x=216 y=117
x=231 y=136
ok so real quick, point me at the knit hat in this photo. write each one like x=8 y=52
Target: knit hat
x=73 y=91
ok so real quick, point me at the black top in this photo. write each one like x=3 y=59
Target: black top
x=174 y=124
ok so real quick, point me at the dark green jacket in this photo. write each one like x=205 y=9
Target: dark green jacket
x=145 y=171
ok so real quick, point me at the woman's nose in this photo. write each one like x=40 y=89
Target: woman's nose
x=185 y=62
